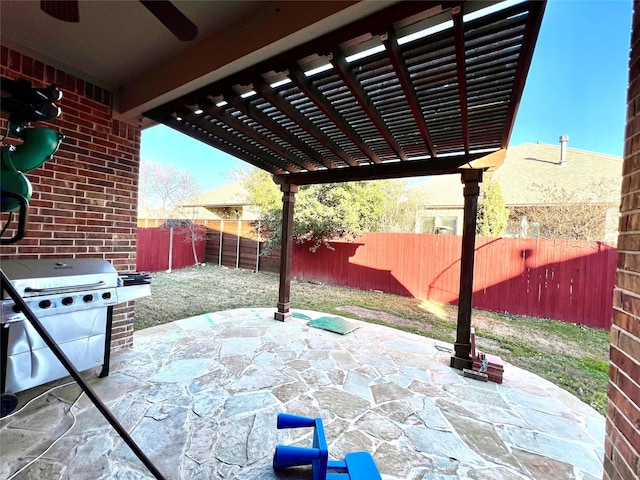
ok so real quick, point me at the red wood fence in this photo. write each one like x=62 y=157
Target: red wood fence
x=154 y=253
x=564 y=280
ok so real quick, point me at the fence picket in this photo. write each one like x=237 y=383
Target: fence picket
x=565 y=280
x=159 y=250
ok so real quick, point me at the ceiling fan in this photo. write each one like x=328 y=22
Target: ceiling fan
x=165 y=11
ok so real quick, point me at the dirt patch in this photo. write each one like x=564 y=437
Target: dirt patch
x=387 y=318
x=527 y=334
x=539 y=340
x=480 y=321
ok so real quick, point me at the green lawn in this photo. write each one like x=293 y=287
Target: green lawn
x=573 y=357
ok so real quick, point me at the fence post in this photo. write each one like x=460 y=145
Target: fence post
x=258 y=249
x=238 y=245
x=170 y=248
x=220 y=248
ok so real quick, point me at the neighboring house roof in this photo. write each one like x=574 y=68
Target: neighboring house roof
x=155 y=213
x=211 y=205
x=229 y=201
x=232 y=195
x=527 y=169
x=200 y=213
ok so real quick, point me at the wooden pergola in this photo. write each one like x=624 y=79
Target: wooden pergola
x=419 y=88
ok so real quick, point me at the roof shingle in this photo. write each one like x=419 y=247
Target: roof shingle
x=528 y=168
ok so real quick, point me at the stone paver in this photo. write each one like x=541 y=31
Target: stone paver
x=201 y=396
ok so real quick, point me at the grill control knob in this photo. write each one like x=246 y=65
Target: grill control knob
x=87 y=298
x=67 y=301
x=16 y=309
x=106 y=295
x=45 y=304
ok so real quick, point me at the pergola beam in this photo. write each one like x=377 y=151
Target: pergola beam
x=253 y=156
x=458 y=29
x=414 y=168
x=262 y=119
x=304 y=85
x=260 y=139
x=400 y=67
x=531 y=30
x=347 y=76
x=290 y=111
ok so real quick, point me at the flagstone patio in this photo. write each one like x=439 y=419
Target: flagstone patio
x=201 y=396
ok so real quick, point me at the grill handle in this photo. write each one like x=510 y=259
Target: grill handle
x=71 y=288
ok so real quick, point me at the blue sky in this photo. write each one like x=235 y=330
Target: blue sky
x=577 y=83
x=576 y=86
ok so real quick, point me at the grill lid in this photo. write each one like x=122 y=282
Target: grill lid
x=48 y=276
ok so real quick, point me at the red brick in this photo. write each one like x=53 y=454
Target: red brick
x=625 y=406
x=619 y=445
x=39 y=250
x=631 y=346
x=621 y=466
x=625 y=363
x=73 y=149
x=630 y=389
x=626 y=429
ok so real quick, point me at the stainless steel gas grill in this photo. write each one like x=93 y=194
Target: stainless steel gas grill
x=73 y=299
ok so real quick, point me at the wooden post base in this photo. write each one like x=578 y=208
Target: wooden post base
x=282 y=316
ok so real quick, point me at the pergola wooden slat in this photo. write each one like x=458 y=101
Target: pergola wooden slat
x=418 y=88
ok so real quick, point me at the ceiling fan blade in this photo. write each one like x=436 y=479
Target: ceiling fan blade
x=172 y=18
x=65 y=10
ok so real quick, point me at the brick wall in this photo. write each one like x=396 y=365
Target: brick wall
x=622 y=444
x=84 y=201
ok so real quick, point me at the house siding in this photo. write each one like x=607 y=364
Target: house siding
x=84 y=200
x=622 y=443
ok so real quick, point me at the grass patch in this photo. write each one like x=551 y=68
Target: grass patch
x=571 y=356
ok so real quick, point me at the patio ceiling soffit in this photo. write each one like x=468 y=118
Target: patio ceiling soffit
x=420 y=88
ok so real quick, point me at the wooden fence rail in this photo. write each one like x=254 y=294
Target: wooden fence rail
x=565 y=280
x=168 y=248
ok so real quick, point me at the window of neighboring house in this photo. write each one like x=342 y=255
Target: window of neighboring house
x=427 y=225
x=439 y=225
x=448 y=225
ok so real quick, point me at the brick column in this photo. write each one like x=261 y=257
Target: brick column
x=622 y=443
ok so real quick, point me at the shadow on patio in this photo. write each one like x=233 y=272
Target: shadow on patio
x=201 y=396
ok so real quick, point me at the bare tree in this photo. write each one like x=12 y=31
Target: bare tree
x=400 y=208
x=163 y=191
x=162 y=188
x=568 y=214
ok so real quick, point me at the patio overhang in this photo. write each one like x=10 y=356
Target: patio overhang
x=415 y=89
x=418 y=88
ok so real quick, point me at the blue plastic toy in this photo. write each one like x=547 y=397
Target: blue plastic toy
x=355 y=466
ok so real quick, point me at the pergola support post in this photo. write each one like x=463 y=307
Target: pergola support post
x=462 y=354
x=286 y=252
